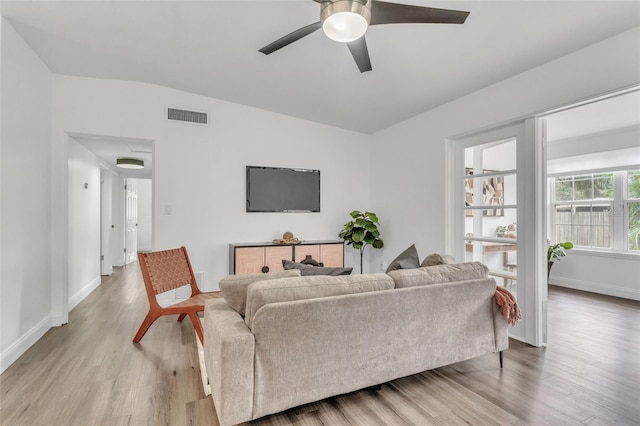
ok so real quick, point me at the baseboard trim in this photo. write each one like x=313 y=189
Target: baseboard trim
x=57 y=319
x=20 y=346
x=599 y=288
x=84 y=292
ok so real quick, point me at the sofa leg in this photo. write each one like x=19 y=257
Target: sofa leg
x=501 y=360
x=377 y=388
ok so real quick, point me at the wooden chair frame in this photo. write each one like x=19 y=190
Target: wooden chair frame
x=166 y=270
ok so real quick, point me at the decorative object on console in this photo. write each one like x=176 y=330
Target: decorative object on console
x=362 y=231
x=307 y=269
x=287 y=238
x=408 y=259
x=308 y=260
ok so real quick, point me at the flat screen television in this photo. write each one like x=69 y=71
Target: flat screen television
x=277 y=189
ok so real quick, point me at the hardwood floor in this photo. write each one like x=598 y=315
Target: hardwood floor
x=89 y=373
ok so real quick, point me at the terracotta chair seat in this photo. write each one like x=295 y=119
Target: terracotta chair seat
x=166 y=270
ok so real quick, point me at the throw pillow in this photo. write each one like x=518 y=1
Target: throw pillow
x=438 y=274
x=437 y=259
x=306 y=270
x=290 y=264
x=408 y=259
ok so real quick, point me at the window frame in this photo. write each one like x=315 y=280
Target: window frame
x=619 y=227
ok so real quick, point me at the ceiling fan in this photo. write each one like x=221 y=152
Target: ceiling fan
x=346 y=21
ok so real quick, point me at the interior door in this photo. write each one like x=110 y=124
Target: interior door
x=131 y=219
x=498 y=215
x=106 y=222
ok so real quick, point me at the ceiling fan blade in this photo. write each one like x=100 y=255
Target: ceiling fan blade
x=290 y=38
x=360 y=53
x=394 y=13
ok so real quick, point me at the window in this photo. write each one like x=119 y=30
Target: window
x=598 y=210
x=632 y=209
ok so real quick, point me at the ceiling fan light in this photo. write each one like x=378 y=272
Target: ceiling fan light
x=345 y=21
x=129 y=163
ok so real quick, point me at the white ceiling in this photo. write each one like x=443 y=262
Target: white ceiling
x=616 y=112
x=109 y=149
x=211 y=48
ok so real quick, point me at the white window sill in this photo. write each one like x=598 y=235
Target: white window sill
x=603 y=253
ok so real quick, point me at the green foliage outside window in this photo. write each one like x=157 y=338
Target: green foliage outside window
x=584 y=187
x=584 y=209
x=633 y=197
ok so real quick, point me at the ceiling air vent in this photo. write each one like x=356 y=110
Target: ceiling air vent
x=193 y=117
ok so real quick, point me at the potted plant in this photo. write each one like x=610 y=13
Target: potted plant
x=362 y=231
x=556 y=252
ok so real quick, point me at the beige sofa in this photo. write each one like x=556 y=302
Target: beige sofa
x=281 y=342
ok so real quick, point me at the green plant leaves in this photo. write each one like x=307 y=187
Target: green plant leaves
x=362 y=230
x=358 y=235
x=557 y=251
x=372 y=217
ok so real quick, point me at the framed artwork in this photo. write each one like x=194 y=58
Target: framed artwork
x=492 y=193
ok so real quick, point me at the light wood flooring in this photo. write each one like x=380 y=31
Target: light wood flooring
x=89 y=373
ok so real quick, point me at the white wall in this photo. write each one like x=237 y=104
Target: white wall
x=199 y=171
x=25 y=224
x=84 y=222
x=145 y=208
x=409 y=196
x=612 y=274
x=606 y=150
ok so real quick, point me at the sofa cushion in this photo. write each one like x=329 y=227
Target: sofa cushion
x=438 y=259
x=408 y=259
x=234 y=287
x=308 y=269
x=439 y=274
x=290 y=289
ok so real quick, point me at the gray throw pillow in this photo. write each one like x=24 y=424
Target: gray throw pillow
x=290 y=264
x=438 y=259
x=408 y=259
x=306 y=270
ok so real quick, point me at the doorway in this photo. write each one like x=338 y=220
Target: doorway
x=497 y=214
x=94 y=252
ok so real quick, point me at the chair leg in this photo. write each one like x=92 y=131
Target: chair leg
x=197 y=325
x=181 y=317
x=501 y=360
x=148 y=320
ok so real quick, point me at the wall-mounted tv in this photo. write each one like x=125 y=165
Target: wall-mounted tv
x=277 y=189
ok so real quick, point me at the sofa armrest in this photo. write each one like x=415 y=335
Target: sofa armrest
x=501 y=328
x=229 y=348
